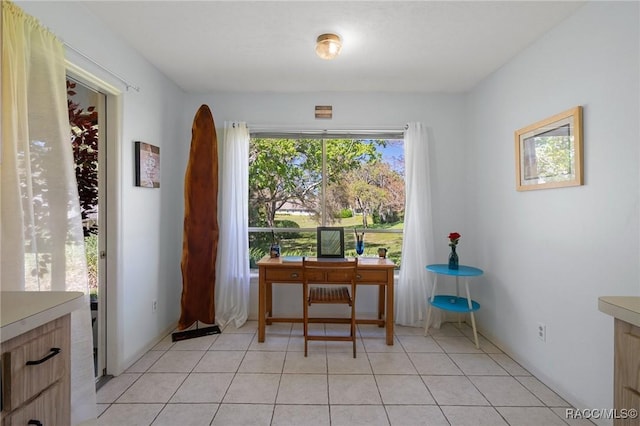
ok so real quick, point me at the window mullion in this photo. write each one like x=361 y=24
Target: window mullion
x=323 y=198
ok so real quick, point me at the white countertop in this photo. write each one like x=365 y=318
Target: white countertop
x=21 y=311
x=625 y=308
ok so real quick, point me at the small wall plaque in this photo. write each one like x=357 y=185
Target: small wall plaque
x=147 y=159
x=324 y=111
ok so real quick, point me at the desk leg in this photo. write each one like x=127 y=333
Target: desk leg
x=269 y=301
x=261 y=302
x=389 y=312
x=381 y=301
x=473 y=318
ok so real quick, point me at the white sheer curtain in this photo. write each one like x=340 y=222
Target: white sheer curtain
x=232 y=287
x=417 y=245
x=42 y=244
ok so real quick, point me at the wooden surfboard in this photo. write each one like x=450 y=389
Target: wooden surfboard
x=200 y=237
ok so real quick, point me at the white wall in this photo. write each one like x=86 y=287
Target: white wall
x=442 y=113
x=549 y=254
x=148 y=241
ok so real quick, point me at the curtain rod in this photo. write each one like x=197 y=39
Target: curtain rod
x=282 y=129
x=126 y=83
x=331 y=134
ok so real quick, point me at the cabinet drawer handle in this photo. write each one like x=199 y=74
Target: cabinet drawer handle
x=633 y=391
x=34 y=422
x=54 y=352
x=358 y=276
x=632 y=336
x=294 y=275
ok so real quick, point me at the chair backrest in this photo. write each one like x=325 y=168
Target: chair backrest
x=329 y=272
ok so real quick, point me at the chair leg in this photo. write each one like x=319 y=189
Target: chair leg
x=305 y=317
x=353 y=325
x=353 y=336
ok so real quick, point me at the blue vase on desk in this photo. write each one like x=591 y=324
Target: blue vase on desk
x=453 y=258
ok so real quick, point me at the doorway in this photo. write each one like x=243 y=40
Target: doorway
x=87 y=118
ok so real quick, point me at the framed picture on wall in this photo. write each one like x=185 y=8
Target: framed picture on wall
x=147 y=160
x=549 y=152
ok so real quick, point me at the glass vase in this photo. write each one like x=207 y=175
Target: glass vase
x=453 y=258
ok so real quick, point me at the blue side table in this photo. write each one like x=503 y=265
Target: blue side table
x=450 y=302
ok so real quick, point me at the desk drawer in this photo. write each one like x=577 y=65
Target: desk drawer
x=369 y=276
x=46 y=349
x=284 y=275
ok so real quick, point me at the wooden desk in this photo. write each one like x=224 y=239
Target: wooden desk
x=371 y=271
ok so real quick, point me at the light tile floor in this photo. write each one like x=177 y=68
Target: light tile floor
x=231 y=379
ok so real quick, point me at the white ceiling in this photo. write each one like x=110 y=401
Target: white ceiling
x=388 y=46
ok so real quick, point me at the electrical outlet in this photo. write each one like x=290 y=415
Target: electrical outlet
x=542 y=332
x=154 y=305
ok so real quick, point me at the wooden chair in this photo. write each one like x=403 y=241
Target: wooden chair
x=329 y=282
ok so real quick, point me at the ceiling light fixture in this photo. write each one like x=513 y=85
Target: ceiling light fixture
x=328 y=46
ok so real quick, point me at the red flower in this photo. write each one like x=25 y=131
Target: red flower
x=453 y=238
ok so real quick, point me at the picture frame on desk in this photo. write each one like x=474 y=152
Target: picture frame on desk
x=549 y=152
x=330 y=242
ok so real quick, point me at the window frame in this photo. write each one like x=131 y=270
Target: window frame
x=323 y=136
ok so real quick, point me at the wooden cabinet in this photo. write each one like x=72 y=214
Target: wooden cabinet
x=626 y=379
x=36 y=376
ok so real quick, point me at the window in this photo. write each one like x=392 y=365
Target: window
x=299 y=183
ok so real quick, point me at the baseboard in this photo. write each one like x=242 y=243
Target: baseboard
x=133 y=359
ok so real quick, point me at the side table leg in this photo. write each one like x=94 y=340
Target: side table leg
x=428 y=319
x=433 y=292
x=473 y=318
x=475 y=332
x=457 y=296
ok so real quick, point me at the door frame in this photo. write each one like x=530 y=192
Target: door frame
x=109 y=190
